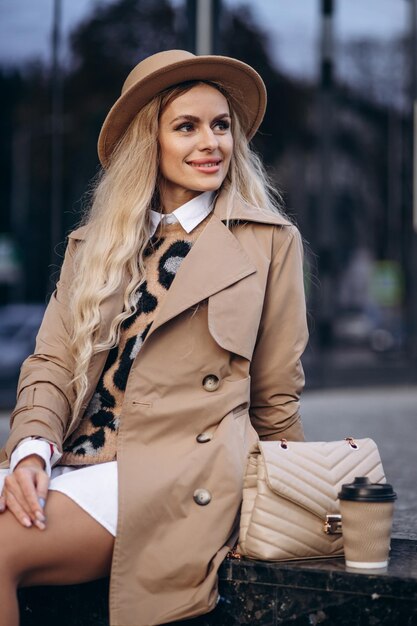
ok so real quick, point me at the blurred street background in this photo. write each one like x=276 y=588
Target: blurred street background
x=340 y=142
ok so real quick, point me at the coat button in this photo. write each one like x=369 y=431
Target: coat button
x=204 y=437
x=211 y=382
x=202 y=497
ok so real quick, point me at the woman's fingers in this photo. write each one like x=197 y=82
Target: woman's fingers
x=19 y=513
x=34 y=485
x=12 y=486
x=2 y=504
x=42 y=484
x=23 y=490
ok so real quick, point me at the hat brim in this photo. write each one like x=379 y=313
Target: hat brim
x=243 y=84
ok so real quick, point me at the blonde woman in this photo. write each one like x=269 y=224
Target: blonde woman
x=172 y=342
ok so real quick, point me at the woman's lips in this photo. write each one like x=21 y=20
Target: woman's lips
x=206 y=166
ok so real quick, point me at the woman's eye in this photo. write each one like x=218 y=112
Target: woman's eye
x=222 y=125
x=186 y=127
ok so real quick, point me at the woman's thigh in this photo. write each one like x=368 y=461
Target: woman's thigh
x=73 y=548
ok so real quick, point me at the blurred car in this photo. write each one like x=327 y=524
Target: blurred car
x=353 y=328
x=19 y=324
x=376 y=328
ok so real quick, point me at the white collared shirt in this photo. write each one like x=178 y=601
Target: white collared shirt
x=189 y=215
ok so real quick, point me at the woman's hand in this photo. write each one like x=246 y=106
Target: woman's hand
x=25 y=491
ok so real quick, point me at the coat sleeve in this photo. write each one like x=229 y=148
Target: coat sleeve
x=277 y=376
x=44 y=393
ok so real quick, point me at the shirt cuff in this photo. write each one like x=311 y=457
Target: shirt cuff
x=43 y=448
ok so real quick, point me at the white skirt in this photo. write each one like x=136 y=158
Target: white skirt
x=92 y=487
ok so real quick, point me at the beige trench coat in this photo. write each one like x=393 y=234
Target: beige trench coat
x=235 y=312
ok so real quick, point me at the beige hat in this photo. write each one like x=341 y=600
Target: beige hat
x=165 y=69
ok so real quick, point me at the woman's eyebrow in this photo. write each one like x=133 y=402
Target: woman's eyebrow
x=193 y=118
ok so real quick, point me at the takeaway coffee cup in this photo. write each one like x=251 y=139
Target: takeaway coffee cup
x=367 y=510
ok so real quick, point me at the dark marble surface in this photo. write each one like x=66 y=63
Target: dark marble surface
x=306 y=607
x=399 y=579
x=267 y=594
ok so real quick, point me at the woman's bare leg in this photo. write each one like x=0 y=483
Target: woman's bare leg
x=73 y=549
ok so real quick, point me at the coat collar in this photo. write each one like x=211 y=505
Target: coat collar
x=244 y=212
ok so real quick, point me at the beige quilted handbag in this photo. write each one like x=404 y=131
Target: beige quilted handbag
x=290 y=508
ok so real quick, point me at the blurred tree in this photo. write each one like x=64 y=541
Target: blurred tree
x=104 y=49
x=285 y=122
x=376 y=69
x=373 y=95
x=11 y=88
x=25 y=190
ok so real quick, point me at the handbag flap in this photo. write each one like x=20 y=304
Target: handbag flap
x=312 y=473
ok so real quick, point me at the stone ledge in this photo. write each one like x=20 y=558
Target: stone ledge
x=323 y=591
x=265 y=594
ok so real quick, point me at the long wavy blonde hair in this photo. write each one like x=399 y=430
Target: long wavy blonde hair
x=117 y=226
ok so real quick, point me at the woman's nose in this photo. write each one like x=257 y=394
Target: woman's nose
x=208 y=140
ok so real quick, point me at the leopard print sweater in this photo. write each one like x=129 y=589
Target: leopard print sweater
x=95 y=439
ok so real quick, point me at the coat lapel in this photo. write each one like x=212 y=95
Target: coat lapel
x=215 y=261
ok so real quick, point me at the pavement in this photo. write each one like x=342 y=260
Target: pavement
x=386 y=414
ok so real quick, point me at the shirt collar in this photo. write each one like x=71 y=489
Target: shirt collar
x=189 y=215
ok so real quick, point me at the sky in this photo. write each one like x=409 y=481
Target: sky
x=292 y=25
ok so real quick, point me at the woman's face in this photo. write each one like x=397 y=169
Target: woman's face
x=196 y=144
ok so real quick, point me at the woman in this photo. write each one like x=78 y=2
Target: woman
x=148 y=391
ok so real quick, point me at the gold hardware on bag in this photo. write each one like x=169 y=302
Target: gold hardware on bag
x=333 y=524
x=351 y=442
x=232 y=554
